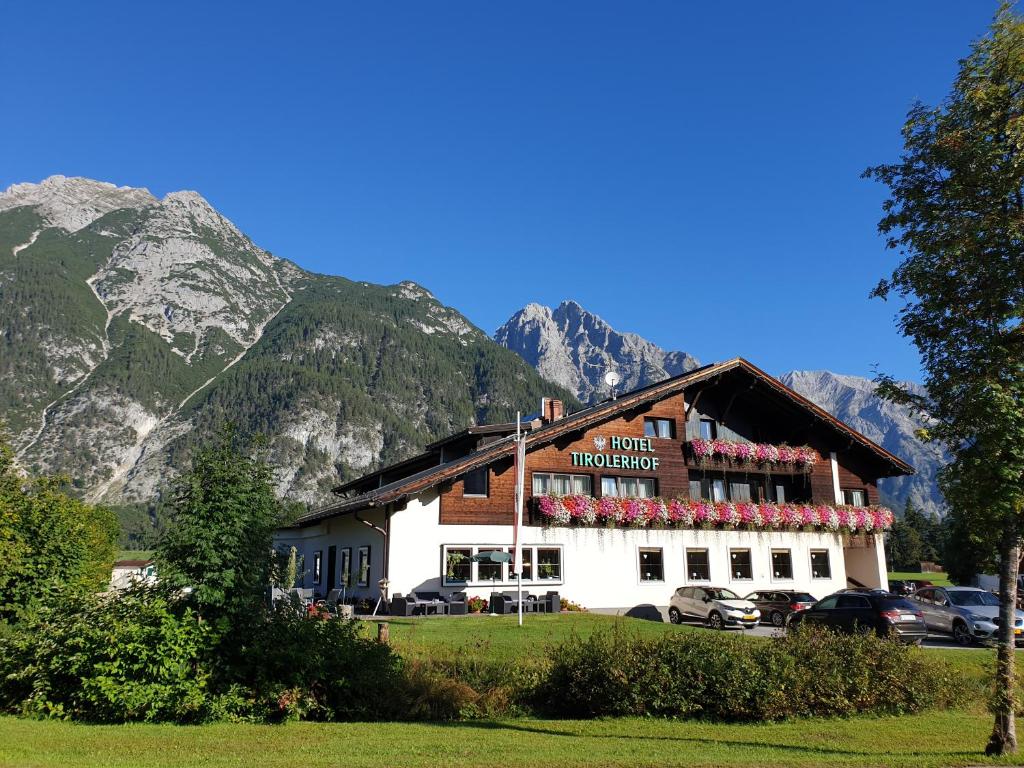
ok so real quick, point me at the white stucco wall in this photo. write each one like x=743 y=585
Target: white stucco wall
x=600 y=567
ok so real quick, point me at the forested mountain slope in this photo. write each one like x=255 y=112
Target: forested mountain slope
x=131 y=327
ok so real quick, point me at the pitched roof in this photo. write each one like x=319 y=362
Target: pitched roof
x=595 y=414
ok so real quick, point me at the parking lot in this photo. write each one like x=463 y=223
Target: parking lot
x=764 y=630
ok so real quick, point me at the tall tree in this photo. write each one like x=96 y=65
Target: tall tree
x=218 y=544
x=956 y=215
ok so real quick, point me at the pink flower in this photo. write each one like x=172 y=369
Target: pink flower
x=743 y=452
x=786 y=454
x=701 y=448
x=546 y=506
x=724 y=448
x=747 y=512
x=607 y=508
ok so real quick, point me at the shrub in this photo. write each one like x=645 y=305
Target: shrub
x=294 y=666
x=809 y=673
x=120 y=657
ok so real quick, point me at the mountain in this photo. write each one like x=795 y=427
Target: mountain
x=573 y=348
x=132 y=328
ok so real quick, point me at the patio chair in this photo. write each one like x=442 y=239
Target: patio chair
x=552 y=602
x=458 y=604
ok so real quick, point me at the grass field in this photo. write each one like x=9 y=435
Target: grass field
x=938 y=579
x=937 y=739
x=951 y=738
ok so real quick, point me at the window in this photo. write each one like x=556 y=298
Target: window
x=345 y=573
x=697 y=566
x=820 y=567
x=739 y=491
x=652 y=566
x=317 y=562
x=782 y=564
x=545 y=483
x=629 y=487
x=718 y=490
x=741 y=567
x=475 y=483
x=363 y=576
x=549 y=563
x=827 y=604
x=780 y=494
x=854 y=496
x=458 y=566
x=527 y=563
x=665 y=428
x=852 y=601
x=707 y=429
x=695 y=490
x=489 y=571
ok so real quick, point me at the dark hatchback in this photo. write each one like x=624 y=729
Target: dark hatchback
x=777 y=604
x=885 y=614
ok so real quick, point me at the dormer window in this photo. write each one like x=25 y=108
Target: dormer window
x=475 y=483
x=707 y=429
x=855 y=497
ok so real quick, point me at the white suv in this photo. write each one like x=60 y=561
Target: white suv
x=718 y=606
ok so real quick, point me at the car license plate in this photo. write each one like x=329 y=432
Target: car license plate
x=750 y=617
x=908 y=617
x=1016 y=631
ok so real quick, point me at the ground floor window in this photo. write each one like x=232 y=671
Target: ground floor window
x=629 y=487
x=697 y=566
x=364 y=567
x=821 y=568
x=317 y=566
x=652 y=564
x=549 y=563
x=458 y=568
x=741 y=566
x=782 y=564
x=345 y=568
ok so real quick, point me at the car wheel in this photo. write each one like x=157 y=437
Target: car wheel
x=675 y=616
x=778 y=620
x=962 y=634
x=715 y=620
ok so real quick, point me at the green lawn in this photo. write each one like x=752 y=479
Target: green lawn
x=937 y=739
x=938 y=579
x=949 y=738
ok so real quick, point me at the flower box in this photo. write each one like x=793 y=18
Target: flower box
x=743 y=454
x=699 y=513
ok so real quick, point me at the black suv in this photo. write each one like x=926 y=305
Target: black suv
x=777 y=604
x=883 y=613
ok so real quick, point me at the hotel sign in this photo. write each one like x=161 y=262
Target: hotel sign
x=634 y=459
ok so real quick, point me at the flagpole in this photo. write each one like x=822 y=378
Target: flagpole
x=517 y=545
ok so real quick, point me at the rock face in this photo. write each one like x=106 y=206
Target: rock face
x=574 y=348
x=852 y=399
x=132 y=328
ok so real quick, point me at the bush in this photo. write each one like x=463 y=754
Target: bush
x=112 y=658
x=296 y=666
x=809 y=673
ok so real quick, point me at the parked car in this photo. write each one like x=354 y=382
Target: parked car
x=718 y=606
x=968 y=614
x=775 y=605
x=901 y=587
x=883 y=613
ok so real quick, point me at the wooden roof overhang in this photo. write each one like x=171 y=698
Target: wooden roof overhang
x=401 y=489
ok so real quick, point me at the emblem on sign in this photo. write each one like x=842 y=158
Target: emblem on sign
x=599 y=443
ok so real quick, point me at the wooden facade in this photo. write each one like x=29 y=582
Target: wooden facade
x=739 y=410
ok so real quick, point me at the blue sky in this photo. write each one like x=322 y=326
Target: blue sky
x=689 y=172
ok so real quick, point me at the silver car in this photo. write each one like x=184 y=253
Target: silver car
x=718 y=606
x=967 y=613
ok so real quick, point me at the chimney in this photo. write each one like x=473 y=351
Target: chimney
x=551 y=409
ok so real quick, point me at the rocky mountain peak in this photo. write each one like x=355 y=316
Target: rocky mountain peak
x=573 y=347
x=72 y=203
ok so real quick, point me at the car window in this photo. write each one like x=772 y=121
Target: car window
x=827 y=604
x=853 y=601
x=698 y=593
x=803 y=597
x=722 y=594
x=924 y=595
x=889 y=603
x=971 y=597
